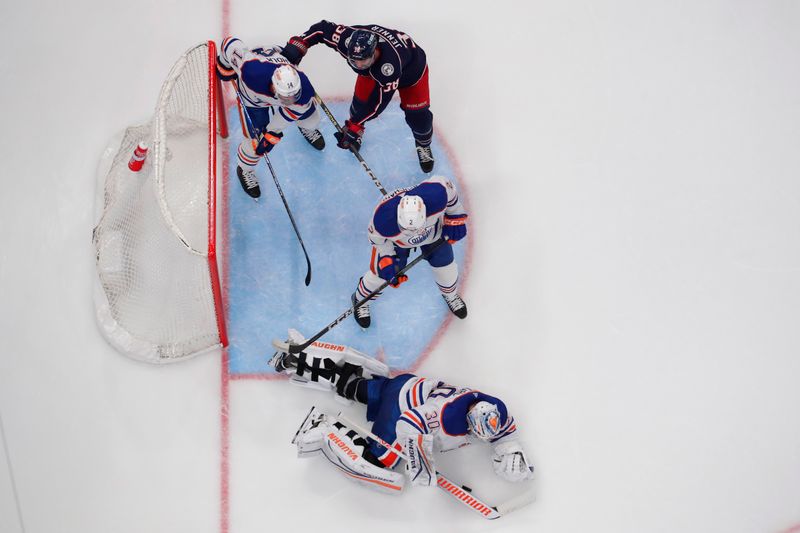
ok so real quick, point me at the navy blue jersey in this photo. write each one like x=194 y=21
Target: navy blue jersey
x=400 y=63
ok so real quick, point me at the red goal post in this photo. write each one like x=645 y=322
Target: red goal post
x=158 y=294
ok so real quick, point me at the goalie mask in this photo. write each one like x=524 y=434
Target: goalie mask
x=484 y=420
x=411 y=215
x=286 y=82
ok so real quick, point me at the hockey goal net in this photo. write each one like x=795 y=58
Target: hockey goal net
x=158 y=298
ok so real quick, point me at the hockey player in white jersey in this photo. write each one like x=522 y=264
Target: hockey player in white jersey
x=417 y=416
x=275 y=95
x=408 y=218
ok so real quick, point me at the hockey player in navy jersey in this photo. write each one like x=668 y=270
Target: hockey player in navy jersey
x=409 y=218
x=415 y=415
x=275 y=95
x=386 y=61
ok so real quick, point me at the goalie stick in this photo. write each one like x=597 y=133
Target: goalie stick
x=460 y=492
x=352 y=148
x=246 y=116
x=297 y=348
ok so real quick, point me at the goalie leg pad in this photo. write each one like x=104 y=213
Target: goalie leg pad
x=326 y=366
x=348 y=451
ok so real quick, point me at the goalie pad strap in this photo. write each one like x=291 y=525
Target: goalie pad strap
x=347 y=371
x=319 y=367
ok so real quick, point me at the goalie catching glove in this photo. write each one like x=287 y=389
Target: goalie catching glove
x=510 y=462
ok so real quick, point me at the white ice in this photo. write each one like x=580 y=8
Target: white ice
x=633 y=176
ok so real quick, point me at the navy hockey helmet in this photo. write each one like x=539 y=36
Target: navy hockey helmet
x=361 y=48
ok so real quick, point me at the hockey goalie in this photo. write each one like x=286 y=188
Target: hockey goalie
x=412 y=417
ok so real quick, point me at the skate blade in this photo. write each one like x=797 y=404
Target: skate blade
x=305 y=423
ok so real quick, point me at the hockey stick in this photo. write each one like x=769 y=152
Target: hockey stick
x=352 y=148
x=246 y=116
x=460 y=492
x=297 y=348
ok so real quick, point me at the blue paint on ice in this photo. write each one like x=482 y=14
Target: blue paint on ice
x=332 y=199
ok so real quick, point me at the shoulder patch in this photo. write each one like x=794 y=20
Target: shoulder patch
x=387 y=69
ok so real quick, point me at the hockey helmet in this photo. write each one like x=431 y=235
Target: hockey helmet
x=361 y=49
x=411 y=214
x=484 y=420
x=286 y=82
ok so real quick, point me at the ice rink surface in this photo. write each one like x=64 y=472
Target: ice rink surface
x=332 y=200
x=634 y=289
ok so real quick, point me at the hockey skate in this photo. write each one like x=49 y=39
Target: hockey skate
x=425 y=156
x=306 y=439
x=249 y=181
x=456 y=304
x=362 y=313
x=314 y=138
x=282 y=361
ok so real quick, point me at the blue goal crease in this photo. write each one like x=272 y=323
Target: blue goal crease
x=332 y=199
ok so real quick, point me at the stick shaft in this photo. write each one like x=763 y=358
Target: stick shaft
x=246 y=116
x=455 y=490
x=352 y=148
x=297 y=348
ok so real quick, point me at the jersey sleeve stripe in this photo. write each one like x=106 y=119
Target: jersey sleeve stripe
x=374 y=111
x=419 y=392
x=288 y=115
x=411 y=423
x=416 y=390
x=413 y=419
x=310 y=35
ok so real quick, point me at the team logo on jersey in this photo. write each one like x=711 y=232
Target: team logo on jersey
x=387 y=69
x=419 y=239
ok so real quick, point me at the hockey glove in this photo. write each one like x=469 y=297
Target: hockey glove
x=510 y=462
x=294 y=50
x=351 y=136
x=267 y=142
x=455 y=228
x=419 y=466
x=388 y=266
x=224 y=68
x=224 y=71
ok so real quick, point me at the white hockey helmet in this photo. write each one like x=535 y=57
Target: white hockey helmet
x=483 y=420
x=286 y=82
x=411 y=215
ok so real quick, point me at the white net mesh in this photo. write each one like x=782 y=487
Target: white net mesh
x=152 y=241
